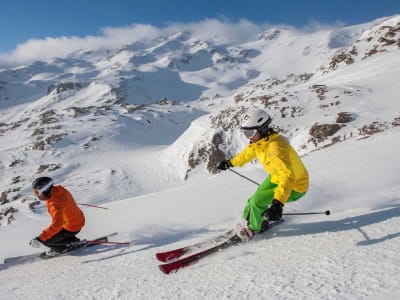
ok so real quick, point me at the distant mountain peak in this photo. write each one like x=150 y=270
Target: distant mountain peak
x=270 y=34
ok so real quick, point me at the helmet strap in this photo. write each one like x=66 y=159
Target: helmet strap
x=268 y=133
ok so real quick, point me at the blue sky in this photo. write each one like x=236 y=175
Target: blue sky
x=21 y=20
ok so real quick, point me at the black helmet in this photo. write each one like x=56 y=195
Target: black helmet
x=42 y=186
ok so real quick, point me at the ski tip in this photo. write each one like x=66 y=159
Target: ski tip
x=166 y=270
x=170 y=255
x=161 y=257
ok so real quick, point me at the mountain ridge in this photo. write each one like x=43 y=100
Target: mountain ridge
x=185 y=96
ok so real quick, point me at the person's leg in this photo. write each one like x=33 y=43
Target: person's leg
x=258 y=203
x=60 y=240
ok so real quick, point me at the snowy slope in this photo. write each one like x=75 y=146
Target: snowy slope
x=351 y=254
x=140 y=129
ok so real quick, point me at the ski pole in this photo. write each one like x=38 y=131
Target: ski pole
x=327 y=212
x=91 y=205
x=237 y=173
x=108 y=243
x=91 y=242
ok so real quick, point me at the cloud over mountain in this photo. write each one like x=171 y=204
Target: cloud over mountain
x=220 y=31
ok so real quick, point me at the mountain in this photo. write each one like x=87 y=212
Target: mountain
x=139 y=131
x=169 y=109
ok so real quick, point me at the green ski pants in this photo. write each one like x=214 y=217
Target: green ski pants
x=259 y=202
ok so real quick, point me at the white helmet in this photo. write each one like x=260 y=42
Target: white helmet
x=255 y=121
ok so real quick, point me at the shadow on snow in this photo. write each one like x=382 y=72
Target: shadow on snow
x=350 y=223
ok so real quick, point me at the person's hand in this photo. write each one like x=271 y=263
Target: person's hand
x=224 y=165
x=274 y=211
x=36 y=242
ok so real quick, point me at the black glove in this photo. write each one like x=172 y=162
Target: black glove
x=224 y=165
x=274 y=211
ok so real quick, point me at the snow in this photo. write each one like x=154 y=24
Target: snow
x=351 y=254
x=136 y=164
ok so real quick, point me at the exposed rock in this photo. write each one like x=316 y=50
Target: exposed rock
x=373 y=128
x=79 y=111
x=48 y=117
x=32 y=204
x=41 y=143
x=15 y=162
x=320 y=90
x=8 y=214
x=228 y=118
x=321 y=131
x=64 y=86
x=88 y=144
x=49 y=167
x=215 y=155
x=396 y=122
x=345 y=117
x=4 y=198
x=209 y=153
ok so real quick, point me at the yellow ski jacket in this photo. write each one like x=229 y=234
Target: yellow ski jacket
x=280 y=161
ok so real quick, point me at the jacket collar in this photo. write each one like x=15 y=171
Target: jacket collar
x=265 y=140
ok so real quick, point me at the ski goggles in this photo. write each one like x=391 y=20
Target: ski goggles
x=40 y=191
x=249 y=133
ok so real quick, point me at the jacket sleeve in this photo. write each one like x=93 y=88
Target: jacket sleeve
x=57 y=221
x=285 y=177
x=243 y=157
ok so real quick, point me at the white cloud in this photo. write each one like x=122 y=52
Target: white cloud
x=113 y=38
x=220 y=31
x=51 y=47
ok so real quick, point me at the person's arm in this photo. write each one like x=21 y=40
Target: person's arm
x=57 y=221
x=243 y=157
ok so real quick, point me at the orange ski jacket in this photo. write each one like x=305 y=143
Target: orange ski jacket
x=64 y=212
x=279 y=160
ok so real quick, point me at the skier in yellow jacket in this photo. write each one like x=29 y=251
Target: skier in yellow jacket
x=287 y=180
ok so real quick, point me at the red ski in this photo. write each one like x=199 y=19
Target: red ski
x=174 y=254
x=194 y=258
x=218 y=243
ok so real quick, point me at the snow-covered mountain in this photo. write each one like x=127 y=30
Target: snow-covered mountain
x=139 y=131
x=170 y=108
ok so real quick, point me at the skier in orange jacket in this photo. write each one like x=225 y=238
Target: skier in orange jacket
x=67 y=219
